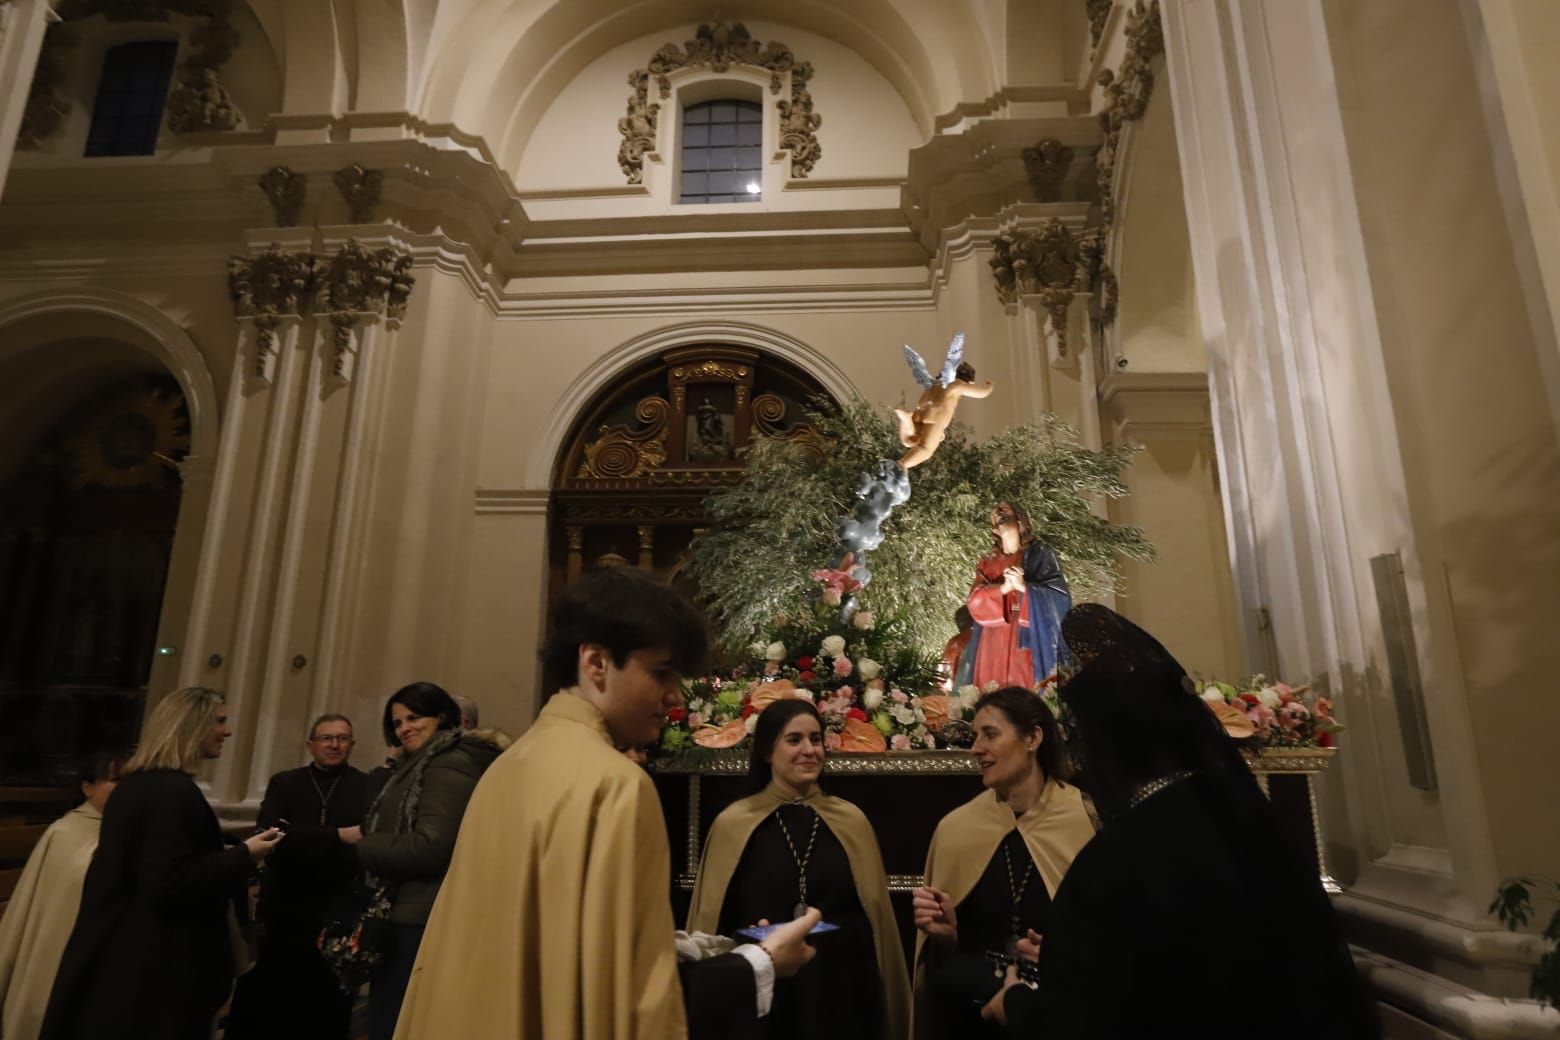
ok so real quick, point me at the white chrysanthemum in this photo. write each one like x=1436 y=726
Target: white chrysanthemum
x=1269 y=698
x=775 y=651
x=903 y=714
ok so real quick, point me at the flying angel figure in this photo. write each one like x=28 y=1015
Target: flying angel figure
x=923 y=429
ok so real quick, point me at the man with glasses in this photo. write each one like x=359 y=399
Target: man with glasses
x=292 y=992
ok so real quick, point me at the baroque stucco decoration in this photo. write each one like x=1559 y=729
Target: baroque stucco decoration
x=718 y=47
x=1055 y=265
x=361 y=189
x=360 y=283
x=622 y=453
x=1046 y=164
x=1098 y=12
x=198 y=100
x=286 y=192
x=1127 y=91
x=355 y=284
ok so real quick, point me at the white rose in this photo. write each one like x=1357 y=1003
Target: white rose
x=872 y=699
x=920 y=716
x=833 y=646
x=757 y=649
x=750 y=722
x=1269 y=698
x=1212 y=694
x=801 y=691
x=868 y=668
x=903 y=714
x=969 y=691
x=774 y=651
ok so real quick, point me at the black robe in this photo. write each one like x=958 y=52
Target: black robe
x=964 y=978
x=720 y=998
x=292 y=991
x=151 y=954
x=1190 y=916
x=810 y=1005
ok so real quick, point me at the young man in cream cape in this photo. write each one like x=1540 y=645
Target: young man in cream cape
x=554 y=920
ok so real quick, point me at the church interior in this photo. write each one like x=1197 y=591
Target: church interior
x=337 y=337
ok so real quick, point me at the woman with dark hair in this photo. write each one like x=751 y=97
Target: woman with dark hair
x=42 y=910
x=994 y=864
x=1017 y=602
x=408 y=834
x=155 y=947
x=1188 y=871
x=789 y=846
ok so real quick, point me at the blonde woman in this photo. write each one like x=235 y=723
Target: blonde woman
x=152 y=952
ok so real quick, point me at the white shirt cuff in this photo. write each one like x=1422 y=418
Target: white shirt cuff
x=763 y=974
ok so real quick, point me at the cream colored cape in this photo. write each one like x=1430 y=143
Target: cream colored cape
x=728 y=838
x=554 y=921
x=1054 y=829
x=39 y=919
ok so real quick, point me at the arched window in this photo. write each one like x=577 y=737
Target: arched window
x=131 y=93
x=722 y=145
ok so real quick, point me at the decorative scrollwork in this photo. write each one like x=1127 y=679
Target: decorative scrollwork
x=709 y=370
x=1127 y=92
x=1055 y=265
x=286 y=192
x=360 y=283
x=718 y=47
x=619 y=453
x=360 y=188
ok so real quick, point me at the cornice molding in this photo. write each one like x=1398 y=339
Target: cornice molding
x=512 y=501
x=1157 y=404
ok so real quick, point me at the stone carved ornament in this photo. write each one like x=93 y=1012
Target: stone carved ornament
x=1126 y=94
x=286 y=191
x=1055 y=265
x=198 y=100
x=1098 y=12
x=355 y=283
x=361 y=189
x=1046 y=164
x=718 y=47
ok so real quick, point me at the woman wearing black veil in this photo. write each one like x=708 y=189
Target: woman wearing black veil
x=1188 y=914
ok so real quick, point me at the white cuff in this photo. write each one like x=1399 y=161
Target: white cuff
x=763 y=974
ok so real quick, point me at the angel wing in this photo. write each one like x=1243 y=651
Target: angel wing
x=951 y=366
x=918 y=368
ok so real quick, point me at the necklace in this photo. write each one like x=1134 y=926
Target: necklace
x=1016 y=892
x=801 y=861
x=324 y=795
x=1153 y=787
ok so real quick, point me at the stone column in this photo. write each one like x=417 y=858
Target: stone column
x=22 y=25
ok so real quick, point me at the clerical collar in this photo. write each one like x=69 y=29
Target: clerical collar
x=327 y=772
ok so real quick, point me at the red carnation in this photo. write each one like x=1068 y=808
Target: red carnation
x=748 y=709
x=1325 y=739
x=1250 y=698
x=677 y=714
x=856 y=713
x=805 y=675
x=804 y=663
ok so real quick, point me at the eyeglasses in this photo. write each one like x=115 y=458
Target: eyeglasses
x=332 y=740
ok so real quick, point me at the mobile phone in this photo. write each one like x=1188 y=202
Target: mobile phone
x=760 y=932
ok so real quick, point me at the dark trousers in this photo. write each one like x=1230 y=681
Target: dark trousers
x=388 y=987
x=291 y=992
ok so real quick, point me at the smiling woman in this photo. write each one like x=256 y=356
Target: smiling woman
x=788 y=847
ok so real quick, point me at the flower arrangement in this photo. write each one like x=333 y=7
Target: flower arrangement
x=873 y=691
x=1271 y=714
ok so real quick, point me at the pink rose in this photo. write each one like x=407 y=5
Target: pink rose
x=1261 y=717
x=845 y=692
x=832 y=596
x=842 y=667
x=899 y=695
x=899 y=742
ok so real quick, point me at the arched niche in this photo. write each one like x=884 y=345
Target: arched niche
x=63 y=354
x=629 y=484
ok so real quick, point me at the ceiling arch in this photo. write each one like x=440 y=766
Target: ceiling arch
x=495 y=73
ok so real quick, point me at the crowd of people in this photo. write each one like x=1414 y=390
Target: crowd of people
x=482 y=889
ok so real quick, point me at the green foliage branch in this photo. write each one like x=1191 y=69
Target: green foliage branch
x=774 y=528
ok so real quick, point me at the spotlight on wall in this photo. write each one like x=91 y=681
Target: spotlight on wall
x=753 y=188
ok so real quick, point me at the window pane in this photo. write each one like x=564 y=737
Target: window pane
x=696 y=136
x=696 y=114
x=724 y=133
x=750 y=134
x=694 y=183
x=722 y=158
x=747 y=112
x=723 y=112
x=695 y=159
x=127 y=113
x=723 y=183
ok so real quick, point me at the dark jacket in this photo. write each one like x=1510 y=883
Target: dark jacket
x=311 y=867
x=409 y=835
x=151 y=954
